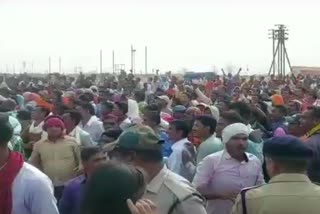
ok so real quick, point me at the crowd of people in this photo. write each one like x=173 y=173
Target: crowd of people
x=164 y=145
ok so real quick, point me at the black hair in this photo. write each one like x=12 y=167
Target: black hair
x=291 y=165
x=88 y=107
x=89 y=95
x=110 y=186
x=152 y=111
x=60 y=108
x=108 y=105
x=154 y=116
x=44 y=110
x=84 y=98
x=315 y=112
x=75 y=116
x=24 y=115
x=88 y=152
x=6 y=130
x=122 y=106
x=152 y=107
x=59 y=94
x=139 y=95
x=243 y=108
x=313 y=94
x=112 y=133
x=208 y=121
x=181 y=125
x=282 y=109
x=232 y=117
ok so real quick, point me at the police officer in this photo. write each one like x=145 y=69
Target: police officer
x=289 y=191
x=172 y=194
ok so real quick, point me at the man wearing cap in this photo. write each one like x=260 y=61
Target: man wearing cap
x=171 y=193
x=289 y=190
x=58 y=155
x=221 y=175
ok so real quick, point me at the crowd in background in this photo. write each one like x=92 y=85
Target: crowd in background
x=166 y=144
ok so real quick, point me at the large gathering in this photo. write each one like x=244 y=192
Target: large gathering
x=163 y=143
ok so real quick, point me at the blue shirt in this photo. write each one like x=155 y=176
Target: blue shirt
x=72 y=196
x=166 y=147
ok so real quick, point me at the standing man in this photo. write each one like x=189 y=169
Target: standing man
x=89 y=122
x=204 y=128
x=289 y=190
x=72 y=120
x=121 y=110
x=171 y=193
x=310 y=122
x=91 y=158
x=222 y=175
x=23 y=188
x=35 y=131
x=58 y=156
x=178 y=132
x=152 y=118
x=278 y=125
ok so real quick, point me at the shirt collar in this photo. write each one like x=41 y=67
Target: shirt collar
x=290 y=177
x=91 y=120
x=179 y=143
x=155 y=184
x=73 y=132
x=211 y=138
x=227 y=156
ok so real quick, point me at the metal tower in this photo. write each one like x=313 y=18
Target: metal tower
x=279 y=51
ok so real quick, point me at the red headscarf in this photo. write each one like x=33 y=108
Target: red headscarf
x=53 y=121
x=7 y=176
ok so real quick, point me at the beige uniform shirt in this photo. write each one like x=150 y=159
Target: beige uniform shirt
x=167 y=187
x=284 y=194
x=57 y=160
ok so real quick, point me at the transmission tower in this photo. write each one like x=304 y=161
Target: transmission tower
x=279 y=51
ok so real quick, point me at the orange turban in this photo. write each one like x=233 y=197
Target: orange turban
x=277 y=100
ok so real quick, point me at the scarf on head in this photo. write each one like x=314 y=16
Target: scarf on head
x=232 y=130
x=7 y=175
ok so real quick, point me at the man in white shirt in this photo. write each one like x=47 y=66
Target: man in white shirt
x=121 y=110
x=178 y=132
x=24 y=189
x=89 y=122
x=71 y=120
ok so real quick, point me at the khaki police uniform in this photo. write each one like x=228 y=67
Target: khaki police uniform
x=171 y=193
x=284 y=194
x=174 y=194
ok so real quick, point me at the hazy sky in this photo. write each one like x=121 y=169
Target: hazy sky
x=179 y=33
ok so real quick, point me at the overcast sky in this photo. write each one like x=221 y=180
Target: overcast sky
x=195 y=34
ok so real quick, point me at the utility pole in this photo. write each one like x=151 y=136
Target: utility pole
x=279 y=51
x=24 y=65
x=146 y=59
x=272 y=36
x=133 y=51
x=59 y=65
x=100 y=61
x=49 y=65
x=113 y=65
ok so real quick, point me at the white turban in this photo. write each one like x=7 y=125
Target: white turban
x=232 y=130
